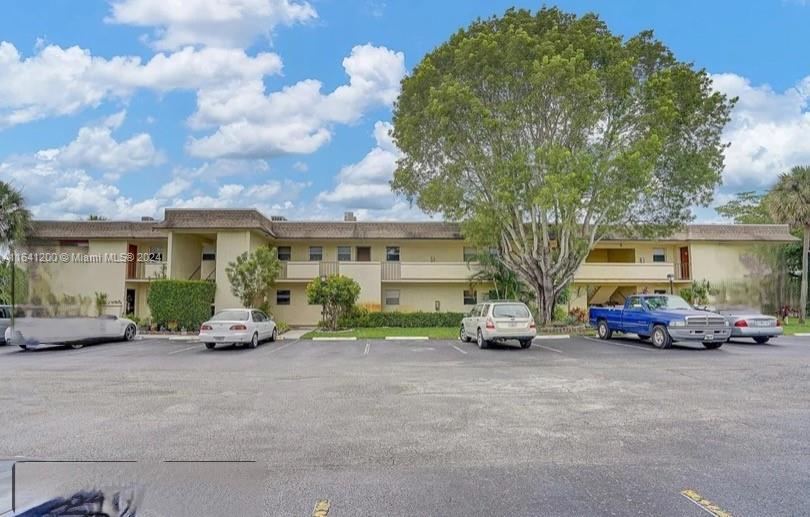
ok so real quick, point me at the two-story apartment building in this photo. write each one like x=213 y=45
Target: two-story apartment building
x=400 y=266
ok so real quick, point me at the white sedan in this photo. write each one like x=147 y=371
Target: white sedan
x=32 y=330
x=249 y=326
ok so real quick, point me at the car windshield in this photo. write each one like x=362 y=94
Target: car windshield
x=667 y=302
x=230 y=316
x=511 y=310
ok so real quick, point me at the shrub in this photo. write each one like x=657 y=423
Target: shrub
x=359 y=317
x=252 y=276
x=282 y=327
x=578 y=314
x=337 y=295
x=180 y=303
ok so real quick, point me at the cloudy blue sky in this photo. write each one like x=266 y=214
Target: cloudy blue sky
x=125 y=107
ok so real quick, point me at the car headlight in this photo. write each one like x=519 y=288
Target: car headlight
x=677 y=323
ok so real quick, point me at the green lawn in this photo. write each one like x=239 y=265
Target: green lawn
x=793 y=328
x=383 y=332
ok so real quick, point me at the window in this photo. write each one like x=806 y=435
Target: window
x=392 y=253
x=284 y=252
x=660 y=291
x=209 y=256
x=315 y=253
x=344 y=253
x=510 y=310
x=470 y=297
x=659 y=255
x=230 y=315
x=283 y=297
x=392 y=297
x=4 y=314
x=258 y=317
x=470 y=254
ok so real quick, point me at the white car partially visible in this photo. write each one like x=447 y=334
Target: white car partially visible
x=32 y=330
x=238 y=326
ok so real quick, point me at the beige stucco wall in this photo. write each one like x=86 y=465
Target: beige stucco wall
x=423 y=297
x=299 y=312
x=229 y=246
x=367 y=274
x=719 y=262
x=185 y=256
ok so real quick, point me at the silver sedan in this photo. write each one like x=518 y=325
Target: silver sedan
x=753 y=325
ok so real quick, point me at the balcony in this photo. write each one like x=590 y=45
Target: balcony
x=146 y=271
x=386 y=271
x=428 y=271
x=606 y=272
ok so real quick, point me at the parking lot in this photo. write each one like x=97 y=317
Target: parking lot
x=568 y=427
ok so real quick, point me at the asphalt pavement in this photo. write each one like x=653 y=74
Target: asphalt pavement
x=567 y=427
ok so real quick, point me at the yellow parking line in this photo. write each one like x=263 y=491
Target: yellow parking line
x=321 y=508
x=704 y=503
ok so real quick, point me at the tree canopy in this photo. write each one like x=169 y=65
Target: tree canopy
x=542 y=132
x=337 y=294
x=789 y=202
x=253 y=275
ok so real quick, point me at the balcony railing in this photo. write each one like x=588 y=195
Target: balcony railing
x=596 y=272
x=147 y=271
x=389 y=271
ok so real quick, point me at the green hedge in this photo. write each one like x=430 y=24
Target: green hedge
x=186 y=302
x=363 y=318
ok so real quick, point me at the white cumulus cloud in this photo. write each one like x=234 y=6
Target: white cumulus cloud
x=218 y=23
x=63 y=81
x=769 y=131
x=365 y=184
x=298 y=118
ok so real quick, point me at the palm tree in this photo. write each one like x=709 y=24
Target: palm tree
x=789 y=202
x=15 y=221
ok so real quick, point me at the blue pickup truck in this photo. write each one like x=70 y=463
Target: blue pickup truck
x=664 y=318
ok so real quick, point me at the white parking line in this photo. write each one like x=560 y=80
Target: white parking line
x=626 y=345
x=283 y=346
x=368 y=347
x=184 y=349
x=460 y=350
x=549 y=348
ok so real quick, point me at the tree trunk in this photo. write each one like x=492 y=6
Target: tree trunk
x=805 y=259
x=544 y=295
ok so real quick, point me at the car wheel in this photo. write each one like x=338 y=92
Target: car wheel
x=712 y=346
x=254 y=341
x=660 y=337
x=76 y=346
x=24 y=347
x=274 y=335
x=762 y=339
x=462 y=335
x=210 y=346
x=603 y=331
x=482 y=343
x=129 y=333
x=525 y=343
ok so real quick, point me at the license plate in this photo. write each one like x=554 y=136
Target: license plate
x=709 y=337
x=762 y=323
x=513 y=324
x=219 y=338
